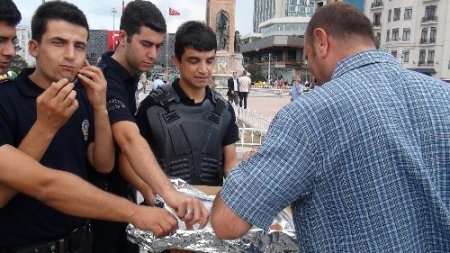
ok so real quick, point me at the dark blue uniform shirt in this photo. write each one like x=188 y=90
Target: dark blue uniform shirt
x=25 y=220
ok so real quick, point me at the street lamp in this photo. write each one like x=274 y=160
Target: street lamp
x=268 y=77
x=306 y=67
x=114 y=11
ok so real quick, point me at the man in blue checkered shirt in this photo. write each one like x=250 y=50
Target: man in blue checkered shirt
x=363 y=159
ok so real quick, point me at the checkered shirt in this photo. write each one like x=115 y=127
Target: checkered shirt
x=364 y=161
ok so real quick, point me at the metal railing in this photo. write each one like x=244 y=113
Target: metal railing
x=252 y=119
x=250 y=137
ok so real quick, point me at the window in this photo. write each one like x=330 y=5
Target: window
x=396 y=14
x=395 y=34
x=433 y=32
x=378 y=35
x=430 y=56
x=408 y=13
x=405 y=56
x=430 y=13
x=422 y=56
x=406 y=34
x=388 y=35
x=423 y=37
x=389 y=15
x=394 y=53
x=377 y=19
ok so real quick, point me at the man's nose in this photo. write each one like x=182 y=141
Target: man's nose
x=8 y=49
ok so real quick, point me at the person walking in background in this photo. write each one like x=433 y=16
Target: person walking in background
x=140 y=39
x=296 y=89
x=372 y=152
x=203 y=130
x=233 y=89
x=244 y=88
x=157 y=83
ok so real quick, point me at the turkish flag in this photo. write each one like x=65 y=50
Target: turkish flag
x=173 y=12
x=113 y=40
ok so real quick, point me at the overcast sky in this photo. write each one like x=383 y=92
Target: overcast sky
x=100 y=16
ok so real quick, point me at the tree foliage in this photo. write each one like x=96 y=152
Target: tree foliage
x=256 y=72
x=18 y=63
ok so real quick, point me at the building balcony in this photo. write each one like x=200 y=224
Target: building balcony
x=429 y=19
x=376 y=25
x=425 y=64
x=377 y=4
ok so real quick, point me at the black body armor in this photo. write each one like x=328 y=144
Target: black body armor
x=187 y=140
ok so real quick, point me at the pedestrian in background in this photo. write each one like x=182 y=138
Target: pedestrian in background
x=244 y=88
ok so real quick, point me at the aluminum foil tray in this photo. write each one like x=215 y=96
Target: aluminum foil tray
x=281 y=239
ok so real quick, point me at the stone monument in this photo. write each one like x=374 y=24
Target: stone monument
x=220 y=17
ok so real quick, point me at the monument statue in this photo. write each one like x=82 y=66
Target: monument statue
x=237 y=42
x=222 y=31
x=220 y=16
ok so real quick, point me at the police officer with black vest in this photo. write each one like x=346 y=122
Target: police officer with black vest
x=190 y=127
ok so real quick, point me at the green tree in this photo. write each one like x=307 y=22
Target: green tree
x=256 y=72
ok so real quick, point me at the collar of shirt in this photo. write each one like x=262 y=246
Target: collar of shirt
x=361 y=59
x=26 y=86
x=119 y=70
x=184 y=98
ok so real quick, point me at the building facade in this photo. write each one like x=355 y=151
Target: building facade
x=415 y=32
x=23 y=34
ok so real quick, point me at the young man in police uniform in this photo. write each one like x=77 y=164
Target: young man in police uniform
x=141 y=36
x=55 y=187
x=61 y=124
x=191 y=128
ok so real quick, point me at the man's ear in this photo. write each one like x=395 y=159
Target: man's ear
x=33 y=48
x=321 y=43
x=176 y=61
x=122 y=38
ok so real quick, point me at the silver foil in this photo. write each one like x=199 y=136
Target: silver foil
x=204 y=240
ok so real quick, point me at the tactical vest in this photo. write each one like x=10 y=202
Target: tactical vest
x=187 y=140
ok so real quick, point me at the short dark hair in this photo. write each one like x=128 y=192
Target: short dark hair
x=141 y=13
x=340 y=20
x=195 y=35
x=9 y=13
x=55 y=10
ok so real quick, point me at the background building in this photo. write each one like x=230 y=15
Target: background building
x=415 y=32
x=23 y=33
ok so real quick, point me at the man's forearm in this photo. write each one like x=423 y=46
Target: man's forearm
x=145 y=165
x=55 y=188
x=102 y=154
x=141 y=158
x=130 y=176
x=34 y=144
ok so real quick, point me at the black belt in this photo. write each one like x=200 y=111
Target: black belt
x=68 y=244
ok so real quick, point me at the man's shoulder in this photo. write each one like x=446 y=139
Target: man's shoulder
x=8 y=88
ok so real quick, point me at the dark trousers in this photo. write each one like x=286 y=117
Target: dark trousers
x=110 y=237
x=243 y=97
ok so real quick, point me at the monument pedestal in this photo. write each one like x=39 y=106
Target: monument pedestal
x=226 y=64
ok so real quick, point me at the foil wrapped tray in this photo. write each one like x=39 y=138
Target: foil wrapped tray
x=280 y=239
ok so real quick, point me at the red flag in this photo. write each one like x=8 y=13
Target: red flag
x=173 y=12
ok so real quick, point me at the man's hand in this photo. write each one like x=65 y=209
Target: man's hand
x=248 y=154
x=188 y=209
x=157 y=220
x=94 y=82
x=56 y=105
